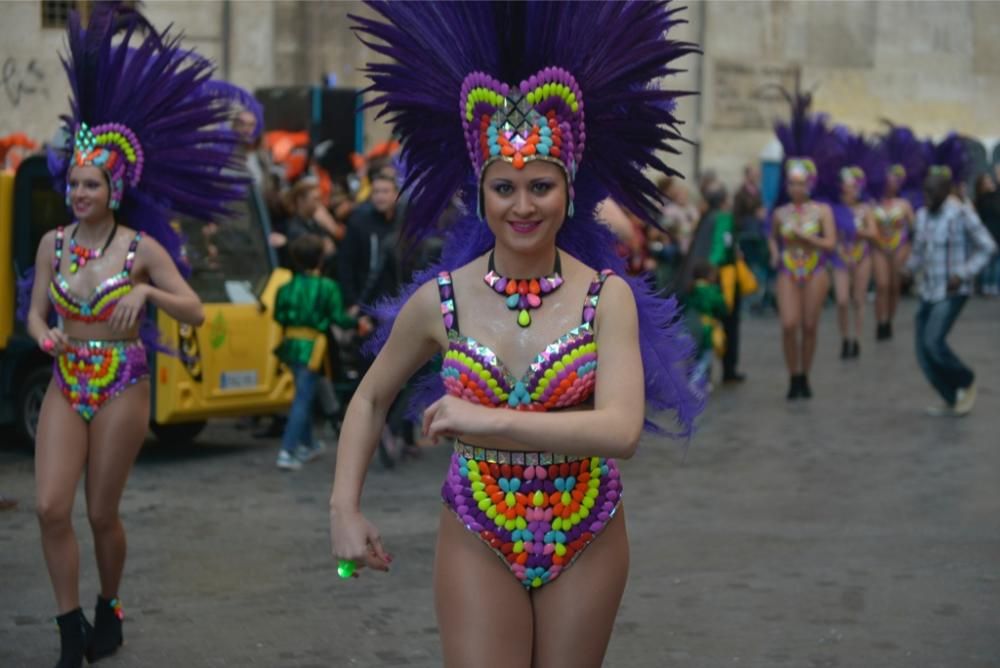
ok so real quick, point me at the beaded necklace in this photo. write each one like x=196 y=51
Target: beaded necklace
x=79 y=255
x=524 y=294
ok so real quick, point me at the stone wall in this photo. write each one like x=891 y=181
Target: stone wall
x=934 y=66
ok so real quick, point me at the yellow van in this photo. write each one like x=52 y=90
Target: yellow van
x=225 y=367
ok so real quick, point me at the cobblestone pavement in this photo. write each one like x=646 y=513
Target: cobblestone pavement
x=846 y=532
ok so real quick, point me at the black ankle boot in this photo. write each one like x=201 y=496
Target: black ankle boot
x=888 y=330
x=855 y=348
x=75 y=633
x=794 y=387
x=806 y=391
x=107 y=629
x=845 y=349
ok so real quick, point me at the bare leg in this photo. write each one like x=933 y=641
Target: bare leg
x=861 y=277
x=816 y=289
x=884 y=283
x=116 y=435
x=476 y=597
x=60 y=455
x=790 y=312
x=842 y=292
x=899 y=259
x=585 y=596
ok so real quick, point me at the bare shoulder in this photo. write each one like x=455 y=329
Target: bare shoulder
x=46 y=248
x=616 y=289
x=422 y=313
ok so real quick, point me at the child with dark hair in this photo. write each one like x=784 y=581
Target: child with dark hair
x=706 y=308
x=306 y=306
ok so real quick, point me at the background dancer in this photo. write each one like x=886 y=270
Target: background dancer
x=136 y=109
x=802 y=235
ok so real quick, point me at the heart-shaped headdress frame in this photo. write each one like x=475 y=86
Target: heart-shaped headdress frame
x=803 y=168
x=542 y=118
x=854 y=175
x=115 y=149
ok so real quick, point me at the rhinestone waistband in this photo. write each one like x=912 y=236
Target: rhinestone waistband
x=512 y=457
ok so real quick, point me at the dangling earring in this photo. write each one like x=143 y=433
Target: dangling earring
x=571 y=210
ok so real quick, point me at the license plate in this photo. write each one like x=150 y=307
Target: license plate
x=238 y=380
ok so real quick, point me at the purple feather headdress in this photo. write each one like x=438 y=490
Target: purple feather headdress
x=858 y=159
x=906 y=156
x=152 y=118
x=153 y=101
x=950 y=153
x=603 y=56
x=808 y=136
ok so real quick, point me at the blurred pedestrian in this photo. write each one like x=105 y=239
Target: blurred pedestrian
x=988 y=208
x=751 y=230
x=706 y=310
x=306 y=306
x=950 y=246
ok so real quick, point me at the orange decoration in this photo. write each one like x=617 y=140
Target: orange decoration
x=511 y=287
x=507 y=150
x=555 y=152
x=534 y=287
x=518 y=161
x=529 y=149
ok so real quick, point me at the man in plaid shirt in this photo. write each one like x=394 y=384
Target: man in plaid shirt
x=950 y=247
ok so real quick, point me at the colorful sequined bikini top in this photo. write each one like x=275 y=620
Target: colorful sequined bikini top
x=102 y=300
x=805 y=219
x=562 y=375
x=890 y=217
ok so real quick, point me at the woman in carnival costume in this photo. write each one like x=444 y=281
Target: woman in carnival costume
x=535 y=112
x=145 y=140
x=898 y=188
x=803 y=234
x=852 y=263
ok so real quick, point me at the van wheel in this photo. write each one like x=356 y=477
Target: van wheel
x=179 y=433
x=29 y=402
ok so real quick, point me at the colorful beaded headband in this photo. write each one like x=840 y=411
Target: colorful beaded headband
x=853 y=175
x=115 y=149
x=898 y=171
x=539 y=119
x=802 y=168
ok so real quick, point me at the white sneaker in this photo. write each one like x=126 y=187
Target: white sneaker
x=939 y=410
x=287 y=462
x=965 y=399
x=306 y=454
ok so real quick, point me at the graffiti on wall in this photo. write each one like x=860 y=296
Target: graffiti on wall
x=22 y=80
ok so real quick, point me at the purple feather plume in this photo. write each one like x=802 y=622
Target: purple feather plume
x=164 y=94
x=614 y=50
x=901 y=147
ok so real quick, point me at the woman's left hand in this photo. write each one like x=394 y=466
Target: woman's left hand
x=129 y=309
x=451 y=417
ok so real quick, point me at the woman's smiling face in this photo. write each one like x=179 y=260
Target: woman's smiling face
x=525 y=208
x=88 y=192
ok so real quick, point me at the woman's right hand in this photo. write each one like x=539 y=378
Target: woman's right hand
x=356 y=539
x=54 y=342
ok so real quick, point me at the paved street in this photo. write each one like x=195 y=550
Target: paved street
x=847 y=532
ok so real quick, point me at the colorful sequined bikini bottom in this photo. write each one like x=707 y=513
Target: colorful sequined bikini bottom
x=91 y=373
x=537 y=511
